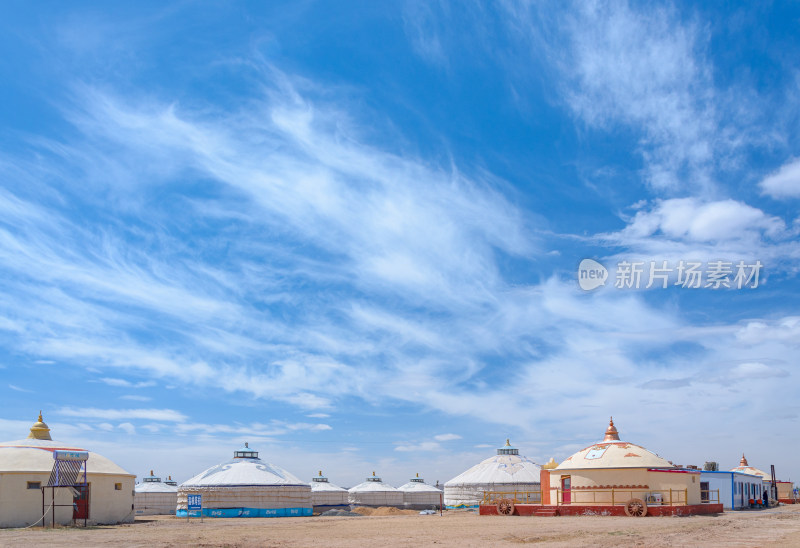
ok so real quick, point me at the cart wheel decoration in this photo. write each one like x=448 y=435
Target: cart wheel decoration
x=636 y=508
x=505 y=507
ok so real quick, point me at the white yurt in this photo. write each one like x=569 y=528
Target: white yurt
x=246 y=486
x=375 y=493
x=418 y=495
x=101 y=491
x=506 y=471
x=327 y=496
x=154 y=497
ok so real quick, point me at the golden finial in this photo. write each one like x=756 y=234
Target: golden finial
x=611 y=432
x=550 y=464
x=508 y=442
x=39 y=430
x=373 y=473
x=320 y=473
x=743 y=462
x=151 y=473
x=417 y=474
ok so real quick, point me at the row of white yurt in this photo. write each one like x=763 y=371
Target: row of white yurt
x=327 y=496
x=418 y=495
x=506 y=471
x=154 y=497
x=246 y=486
x=375 y=493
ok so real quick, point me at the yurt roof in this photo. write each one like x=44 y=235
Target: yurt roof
x=507 y=466
x=244 y=471
x=153 y=484
x=373 y=484
x=613 y=453
x=155 y=487
x=321 y=483
x=745 y=468
x=35 y=454
x=418 y=485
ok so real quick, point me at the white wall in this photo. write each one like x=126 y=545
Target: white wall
x=20 y=506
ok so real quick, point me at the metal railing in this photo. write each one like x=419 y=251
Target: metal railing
x=518 y=497
x=605 y=496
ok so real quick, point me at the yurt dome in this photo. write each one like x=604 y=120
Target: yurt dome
x=326 y=496
x=613 y=472
x=506 y=471
x=246 y=486
x=613 y=453
x=26 y=466
x=418 y=495
x=373 y=492
x=747 y=469
x=154 y=497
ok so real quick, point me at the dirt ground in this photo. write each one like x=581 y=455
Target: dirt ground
x=775 y=527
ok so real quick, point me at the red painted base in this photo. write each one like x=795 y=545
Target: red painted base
x=787 y=501
x=578 y=510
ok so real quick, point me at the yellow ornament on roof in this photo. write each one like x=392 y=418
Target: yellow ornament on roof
x=39 y=430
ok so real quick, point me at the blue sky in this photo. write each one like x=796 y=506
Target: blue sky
x=349 y=232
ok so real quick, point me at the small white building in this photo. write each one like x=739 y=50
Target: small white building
x=102 y=491
x=326 y=495
x=736 y=489
x=375 y=493
x=154 y=497
x=418 y=495
x=506 y=471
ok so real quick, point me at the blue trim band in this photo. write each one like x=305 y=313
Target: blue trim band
x=247 y=512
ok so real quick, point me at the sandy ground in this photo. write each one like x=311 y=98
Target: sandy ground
x=776 y=527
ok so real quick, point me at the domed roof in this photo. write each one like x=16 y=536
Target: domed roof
x=613 y=453
x=747 y=469
x=153 y=484
x=35 y=454
x=321 y=483
x=373 y=484
x=245 y=468
x=418 y=485
x=507 y=466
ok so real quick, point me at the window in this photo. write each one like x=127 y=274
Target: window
x=34 y=485
x=704 y=490
x=117 y=487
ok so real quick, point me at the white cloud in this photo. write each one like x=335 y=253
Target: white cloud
x=646 y=69
x=133 y=397
x=784 y=183
x=127 y=427
x=169 y=415
x=125 y=383
x=18 y=389
x=691 y=219
x=756 y=371
x=417 y=447
x=446 y=437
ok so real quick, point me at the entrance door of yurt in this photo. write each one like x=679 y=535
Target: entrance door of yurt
x=80 y=502
x=566 y=489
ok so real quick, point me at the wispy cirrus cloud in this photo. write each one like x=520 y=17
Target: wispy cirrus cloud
x=169 y=415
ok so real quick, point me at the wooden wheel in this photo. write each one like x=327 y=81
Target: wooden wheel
x=636 y=508
x=505 y=507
